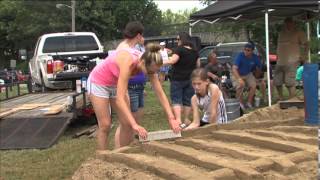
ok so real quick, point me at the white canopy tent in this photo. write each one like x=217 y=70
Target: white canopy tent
x=246 y=10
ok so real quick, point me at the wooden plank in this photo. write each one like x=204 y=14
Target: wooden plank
x=87 y=131
x=55 y=109
x=22 y=107
x=288 y=104
x=158 y=135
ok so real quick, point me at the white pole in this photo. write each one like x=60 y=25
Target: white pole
x=190 y=29
x=267 y=54
x=308 y=36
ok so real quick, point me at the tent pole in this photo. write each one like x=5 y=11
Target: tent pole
x=308 y=36
x=267 y=54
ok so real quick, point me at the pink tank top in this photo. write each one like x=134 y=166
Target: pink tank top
x=107 y=72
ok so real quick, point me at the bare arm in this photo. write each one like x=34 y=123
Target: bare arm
x=172 y=60
x=235 y=72
x=213 y=76
x=164 y=102
x=215 y=94
x=196 y=115
x=198 y=63
x=124 y=61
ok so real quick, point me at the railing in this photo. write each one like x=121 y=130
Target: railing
x=15 y=89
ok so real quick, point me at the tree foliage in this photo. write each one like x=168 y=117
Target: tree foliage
x=176 y=22
x=22 y=22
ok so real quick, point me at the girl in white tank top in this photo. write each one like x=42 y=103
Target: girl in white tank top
x=208 y=99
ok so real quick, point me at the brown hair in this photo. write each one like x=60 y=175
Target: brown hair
x=199 y=73
x=152 y=55
x=132 y=29
x=213 y=52
x=186 y=40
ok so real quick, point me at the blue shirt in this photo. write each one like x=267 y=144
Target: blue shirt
x=246 y=65
x=138 y=79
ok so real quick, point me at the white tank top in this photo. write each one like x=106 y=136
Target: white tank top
x=204 y=104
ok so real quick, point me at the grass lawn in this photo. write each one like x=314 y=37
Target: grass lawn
x=62 y=160
x=12 y=92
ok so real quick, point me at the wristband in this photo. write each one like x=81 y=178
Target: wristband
x=183 y=125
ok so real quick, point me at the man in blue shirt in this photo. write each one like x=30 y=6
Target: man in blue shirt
x=244 y=65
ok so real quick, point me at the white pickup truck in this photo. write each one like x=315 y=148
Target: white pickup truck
x=61 y=58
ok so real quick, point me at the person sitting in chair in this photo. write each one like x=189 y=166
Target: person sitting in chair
x=245 y=66
x=218 y=73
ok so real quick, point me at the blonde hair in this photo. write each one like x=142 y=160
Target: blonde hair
x=152 y=55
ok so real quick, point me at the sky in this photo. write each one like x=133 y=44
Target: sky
x=175 y=6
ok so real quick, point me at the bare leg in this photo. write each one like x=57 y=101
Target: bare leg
x=292 y=91
x=263 y=90
x=239 y=93
x=252 y=91
x=124 y=132
x=123 y=136
x=186 y=113
x=138 y=116
x=101 y=108
x=279 y=90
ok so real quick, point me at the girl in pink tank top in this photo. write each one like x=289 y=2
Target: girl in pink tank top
x=107 y=72
x=108 y=85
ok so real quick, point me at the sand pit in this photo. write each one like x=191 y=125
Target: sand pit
x=266 y=144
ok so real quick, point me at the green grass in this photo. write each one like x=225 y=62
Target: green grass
x=65 y=157
x=13 y=92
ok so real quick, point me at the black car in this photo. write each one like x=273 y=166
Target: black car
x=227 y=52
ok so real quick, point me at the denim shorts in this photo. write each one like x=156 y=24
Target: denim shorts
x=136 y=96
x=101 y=91
x=181 y=92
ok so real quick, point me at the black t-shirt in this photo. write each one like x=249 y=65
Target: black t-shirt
x=218 y=69
x=187 y=62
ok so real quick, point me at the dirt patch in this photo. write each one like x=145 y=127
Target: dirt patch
x=269 y=143
x=96 y=169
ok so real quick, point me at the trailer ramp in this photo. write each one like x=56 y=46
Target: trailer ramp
x=32 y=128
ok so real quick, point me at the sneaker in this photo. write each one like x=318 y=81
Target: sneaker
x=242 y=107
x=249 y=106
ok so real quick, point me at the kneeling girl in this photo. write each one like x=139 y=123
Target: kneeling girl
x=208 y=98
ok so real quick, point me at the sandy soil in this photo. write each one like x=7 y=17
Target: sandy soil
x=269 y=143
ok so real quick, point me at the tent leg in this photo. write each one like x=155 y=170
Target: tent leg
x=308 y=36
x=267 y=55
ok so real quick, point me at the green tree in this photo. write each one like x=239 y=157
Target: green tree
x=174 y=23
x=22 y=22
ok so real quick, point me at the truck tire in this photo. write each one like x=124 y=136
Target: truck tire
x=43 y=86
x=35 y=87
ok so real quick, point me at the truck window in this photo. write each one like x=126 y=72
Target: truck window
x=69 y=44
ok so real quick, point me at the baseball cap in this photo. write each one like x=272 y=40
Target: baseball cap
x=162 y=43
x=249 y=45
